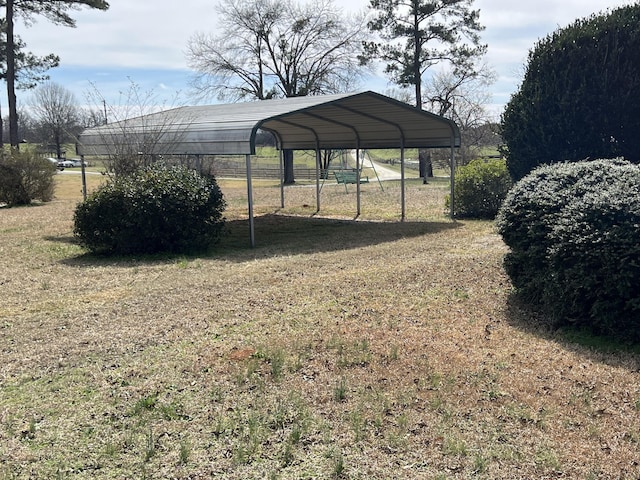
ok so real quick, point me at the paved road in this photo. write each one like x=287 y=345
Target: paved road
x=384 y=173
x=74 y=171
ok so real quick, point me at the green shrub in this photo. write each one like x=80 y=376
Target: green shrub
x=156 y=209
x=575 y=251
x=578 y=98
x=25 y=177
x=480 y=188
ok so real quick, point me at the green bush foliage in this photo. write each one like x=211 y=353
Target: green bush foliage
x=25 y=177
x=575 y=245
x=480 y=188
x=578 y=98
x=156 y=209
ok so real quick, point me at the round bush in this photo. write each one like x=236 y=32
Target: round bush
x=156 y=209
x=480 y=188
x=25 y=177
x=575 y=251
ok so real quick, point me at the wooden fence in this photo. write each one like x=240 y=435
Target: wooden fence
x=262 y=172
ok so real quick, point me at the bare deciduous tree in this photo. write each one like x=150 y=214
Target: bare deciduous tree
x=278 y=48
x=137 y=131
x=463 y=96
x=56 y=111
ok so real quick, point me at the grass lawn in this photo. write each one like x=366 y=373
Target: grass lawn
x=334 y=349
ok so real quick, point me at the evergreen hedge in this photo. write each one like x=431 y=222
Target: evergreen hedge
x=573 y=230
x=579 y=96
x=480 y=188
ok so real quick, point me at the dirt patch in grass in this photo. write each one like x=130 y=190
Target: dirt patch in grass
x=334 y=349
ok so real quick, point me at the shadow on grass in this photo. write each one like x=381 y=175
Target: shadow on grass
x=597 y=348
x=68 y=239
x=276 y=235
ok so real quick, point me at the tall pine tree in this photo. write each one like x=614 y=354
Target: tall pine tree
x=56 y=11
x=415 y=35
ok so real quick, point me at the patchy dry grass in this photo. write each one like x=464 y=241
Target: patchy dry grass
x=335 y=349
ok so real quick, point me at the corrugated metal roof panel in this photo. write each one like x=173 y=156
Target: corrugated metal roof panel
x=328 y=121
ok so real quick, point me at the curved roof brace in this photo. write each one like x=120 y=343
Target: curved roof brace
x=335 y=122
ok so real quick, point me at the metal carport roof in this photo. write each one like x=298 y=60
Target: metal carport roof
x=364 y=120
x=301 y=123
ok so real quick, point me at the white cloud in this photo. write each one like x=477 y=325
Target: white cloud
x=540 y=13
x=137 y=34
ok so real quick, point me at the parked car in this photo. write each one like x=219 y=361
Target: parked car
x=70 y=163
x=65 y=163
x=56 y=162
x=78 y=163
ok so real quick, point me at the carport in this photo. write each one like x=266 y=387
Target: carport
x=358 y=121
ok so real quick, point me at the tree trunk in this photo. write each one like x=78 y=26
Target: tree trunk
x=58 y=145
x=426 y=167
x=288 y=167
x=11 y=79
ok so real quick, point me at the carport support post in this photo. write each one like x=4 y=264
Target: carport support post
x=402 y=181
x=358 y=179
x=84 y=178
x=252 y=235
x=453 y=168
x=281 y=178
x=318 y=178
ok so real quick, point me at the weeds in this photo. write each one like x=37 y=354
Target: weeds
x=337 y=464
x=480 y=464
x=296 y=433
x=185 y=452
x=219 y=426
x=340 y=390
x=30 y=432
x=548 y=458
x=393 y=353
x=277 y=359
x=145 y=404
x=150 y=446
x=287 y=454
x=358 y=425
x=455 y=446
x=351 y=354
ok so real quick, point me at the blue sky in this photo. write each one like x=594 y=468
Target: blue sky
x=143 y=41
